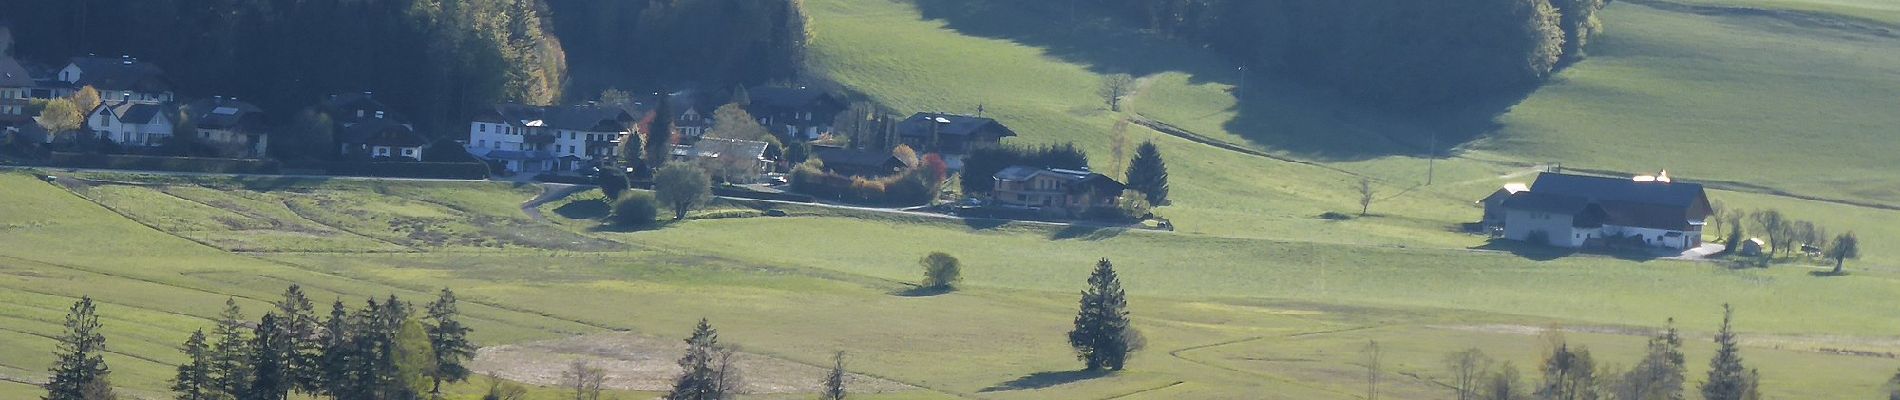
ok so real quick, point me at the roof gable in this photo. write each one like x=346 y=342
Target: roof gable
x=120 y=74
x=12 y=74
x=920 y=124
x=1678 y=194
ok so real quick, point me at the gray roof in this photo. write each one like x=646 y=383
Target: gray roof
x=720 y=148
x=224 y=113
x=1022 y=173
x=834 y=157
x=775 y=97
x=136 y=112
x=920 y=124
x=380 y=132
x=575 y=118
x=1621 y=201
x=12 y=74
x=120 y=74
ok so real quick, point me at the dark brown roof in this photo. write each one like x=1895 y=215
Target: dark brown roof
x=920 y=124
x=12 y=74
x=120 y=74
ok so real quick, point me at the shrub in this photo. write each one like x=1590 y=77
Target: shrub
x=635 y=209
x=941 y=271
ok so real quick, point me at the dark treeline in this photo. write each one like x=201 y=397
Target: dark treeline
x=1397 y=53
x=432 y=59
x=437 y=60
x=649 y=45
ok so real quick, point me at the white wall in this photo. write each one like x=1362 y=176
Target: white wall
x=1520 y=224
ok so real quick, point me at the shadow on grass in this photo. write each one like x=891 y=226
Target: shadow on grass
x=982 y=224
x=920 y=291
x=1527 y=250
x=1828 y=273
x=1087 y=232
x=618 y=228
x=582 y=210
x=1041 y=380
x=1279 y=112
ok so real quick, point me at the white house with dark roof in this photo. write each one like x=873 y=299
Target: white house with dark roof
x=1577 y=210
x=367 y=128
x=1056 y=191
x=131 y=122
x=15 y=84
x=537 y=139
x=229 y=124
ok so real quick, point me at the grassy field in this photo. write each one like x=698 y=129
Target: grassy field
x=1225 y=317
x=1254 y=297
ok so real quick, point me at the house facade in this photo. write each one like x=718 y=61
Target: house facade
x=132 y=123
x=367 y=129
x=799 y=113
x=535 y=139
x=730 y=160
x=229 y=124
x=1578 y=211
x=15 y=86
x=1055 y=191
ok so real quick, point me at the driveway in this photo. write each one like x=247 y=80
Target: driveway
x=1701 y=253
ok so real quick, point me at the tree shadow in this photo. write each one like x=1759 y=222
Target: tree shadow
x=982 y=224
x=1526 y=250
x=1828 y=273
x=1042 y=380
x=1280 y=113
x=921 y=291
x=1087 y=232
x=583 y=210
x=617 y=228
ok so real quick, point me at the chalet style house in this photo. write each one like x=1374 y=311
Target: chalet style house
x=951 y=135
x=730 y=160
x=235 y=127
x=367 y=129
x=1572 y=211
x=797 y=113
x=859 y=163
x=1058 y=192
x=536 y=139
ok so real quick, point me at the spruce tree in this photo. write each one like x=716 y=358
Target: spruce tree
x=80 y=364
x=1148 y=174
x=1101 y=330
x=701 y=377
x=449 y=338
x=1728 y=379
x=339 y=352
x=834 y=381
x=193 y=381
x=299 y=325
x=270 y=369
x=230 y=354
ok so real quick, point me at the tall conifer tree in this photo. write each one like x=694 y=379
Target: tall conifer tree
x=449 y=338
x=1148 y=173
x=230 y=354
x=193 y=381
x=80 y=364
x=1101 y=330
x=1728 y=378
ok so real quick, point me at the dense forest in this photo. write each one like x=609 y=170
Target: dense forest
x=437 y=60
x=1398 y=53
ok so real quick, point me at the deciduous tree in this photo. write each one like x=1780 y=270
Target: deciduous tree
x=1114 y=88
x=941 y=271
x=834 y=386
x=1468 y=369
x=1844 y=247
x=584 y=379
x=682 y=186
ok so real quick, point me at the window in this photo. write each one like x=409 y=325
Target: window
x=408 y=152
x=497 y=145
x=481 y=127
x=481 y=143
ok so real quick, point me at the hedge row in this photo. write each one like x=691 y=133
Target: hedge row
x=160 y=163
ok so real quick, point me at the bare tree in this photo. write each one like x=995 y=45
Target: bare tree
x=503 y=390
x=1774 y=226
x=1114 y=88
x=1118 y=146
x=1718 y=213
x=1468 y=368
x=1365 y=196
x=585 y=379
x=1372 y=369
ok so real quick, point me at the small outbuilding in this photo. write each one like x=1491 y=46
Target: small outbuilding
x=1751 y=247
